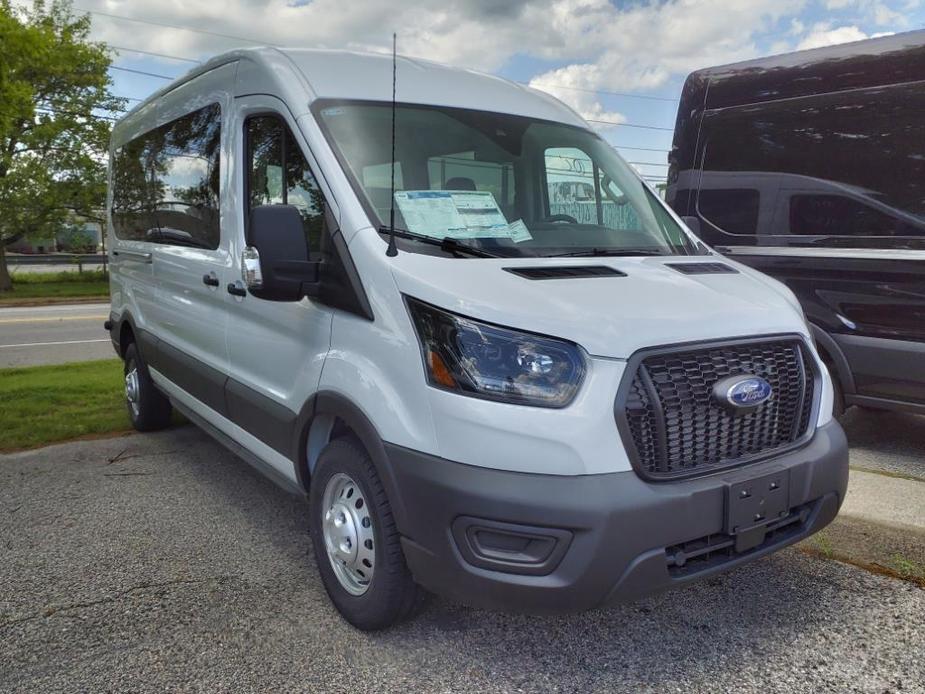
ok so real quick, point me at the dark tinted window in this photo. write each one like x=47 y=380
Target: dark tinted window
x=869 y=143
x=165 y=184
x=837 y=215
x=734 y=210
x=279 y=175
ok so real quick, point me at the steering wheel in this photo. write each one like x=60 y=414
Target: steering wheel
x=560 y=218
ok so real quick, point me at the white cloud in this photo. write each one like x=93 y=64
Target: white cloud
x=822 y=35
x=599 y=44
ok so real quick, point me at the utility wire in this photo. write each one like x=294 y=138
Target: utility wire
x=156 y=55
x=629 y=125
x=173 y=26
x=142 y=72
x=628 y=95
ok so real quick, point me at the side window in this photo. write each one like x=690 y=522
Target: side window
x=870 y=142
x=839 y=215
x=132 y=192
x=278 y=174
x=165 y=184
x=576 y=188
x=734 y=210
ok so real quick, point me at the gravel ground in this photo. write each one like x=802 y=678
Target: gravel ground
x=161 y=562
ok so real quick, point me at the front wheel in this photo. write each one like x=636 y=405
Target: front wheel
x=148 y=408
x=357 y=546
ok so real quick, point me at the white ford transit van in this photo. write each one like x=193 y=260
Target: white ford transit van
x=543 y=395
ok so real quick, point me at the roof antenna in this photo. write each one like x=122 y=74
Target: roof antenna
x=392 y=251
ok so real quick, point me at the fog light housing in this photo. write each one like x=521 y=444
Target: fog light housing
x=510 y=547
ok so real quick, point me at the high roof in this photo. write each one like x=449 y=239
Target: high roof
x=335 y=74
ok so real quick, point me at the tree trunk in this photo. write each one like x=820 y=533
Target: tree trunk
x=6 y=282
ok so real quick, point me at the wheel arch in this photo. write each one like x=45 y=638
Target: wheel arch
x=329 y=415
x=834 y=358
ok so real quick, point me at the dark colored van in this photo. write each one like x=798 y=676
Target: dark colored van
x=810 y=167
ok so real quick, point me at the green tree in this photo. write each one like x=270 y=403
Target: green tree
x=54 y=86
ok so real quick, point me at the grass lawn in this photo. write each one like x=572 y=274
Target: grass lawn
x=43 y=404
x=56 y=285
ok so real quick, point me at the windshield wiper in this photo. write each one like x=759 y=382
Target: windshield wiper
x=601 y=252
x=447 y=243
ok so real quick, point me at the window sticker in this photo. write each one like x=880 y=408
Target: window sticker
x=460 y=214
x=518 y=232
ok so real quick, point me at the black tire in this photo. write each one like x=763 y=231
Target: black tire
x=391 y=595
x=152 y=408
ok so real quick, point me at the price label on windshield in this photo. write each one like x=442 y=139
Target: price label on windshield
x=459 y=214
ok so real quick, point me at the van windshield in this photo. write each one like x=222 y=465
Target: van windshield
x=509 y=185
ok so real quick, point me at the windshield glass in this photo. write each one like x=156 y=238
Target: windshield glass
x=507 y=184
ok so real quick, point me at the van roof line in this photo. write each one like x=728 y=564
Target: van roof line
x=323 y=70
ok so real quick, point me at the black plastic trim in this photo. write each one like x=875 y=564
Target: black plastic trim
x=621 y=525
x=564 y=272
x=260 y=416
x=632 y=366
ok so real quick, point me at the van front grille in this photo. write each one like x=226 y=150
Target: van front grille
x=674 y=427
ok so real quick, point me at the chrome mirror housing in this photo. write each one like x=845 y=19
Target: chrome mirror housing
x=251 y=274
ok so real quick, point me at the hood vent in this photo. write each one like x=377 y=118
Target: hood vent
x=565 y=272
x=703 y=268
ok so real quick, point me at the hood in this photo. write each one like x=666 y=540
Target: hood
x=651 y=304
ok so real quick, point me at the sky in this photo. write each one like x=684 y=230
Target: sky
x=622 y=62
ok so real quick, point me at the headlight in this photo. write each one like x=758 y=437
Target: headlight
x=487 y=361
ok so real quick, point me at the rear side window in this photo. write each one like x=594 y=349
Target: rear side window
x=734 y=210
x=278 y=174
x=846 y=164
x=165 y=183
x=814 y=215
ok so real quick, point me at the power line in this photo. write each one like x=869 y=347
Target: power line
x=42 y=109
x=172 y=26
x=156 y=55
x=141 y=72
x=648 y=163
x=629 y=125
x=641 y=149
x=627 y=95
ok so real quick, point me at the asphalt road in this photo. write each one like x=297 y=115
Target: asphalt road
x=31 y=335
x=161 y=562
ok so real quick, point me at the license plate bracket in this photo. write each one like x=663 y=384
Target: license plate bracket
x=753 y=503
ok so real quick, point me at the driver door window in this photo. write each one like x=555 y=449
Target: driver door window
x=577 y=189
x=279 y=175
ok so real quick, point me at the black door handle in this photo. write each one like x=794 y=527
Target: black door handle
x=236 y=290
x=210 y=280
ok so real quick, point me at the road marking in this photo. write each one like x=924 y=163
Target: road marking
x=50 y=319
x=46 y=344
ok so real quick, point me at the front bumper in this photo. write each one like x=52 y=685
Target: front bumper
x=578 y=542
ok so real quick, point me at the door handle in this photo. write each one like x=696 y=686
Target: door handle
x=133 y=255
x=210 y=280
x=236 y=289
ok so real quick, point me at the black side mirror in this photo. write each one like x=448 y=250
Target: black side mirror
x=277 y=264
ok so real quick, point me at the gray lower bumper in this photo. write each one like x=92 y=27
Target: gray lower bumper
x=580 y=542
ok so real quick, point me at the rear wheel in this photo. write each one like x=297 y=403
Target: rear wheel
x=357 y=546
x=148 y=408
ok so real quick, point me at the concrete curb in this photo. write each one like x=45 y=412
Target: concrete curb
x=881 y=527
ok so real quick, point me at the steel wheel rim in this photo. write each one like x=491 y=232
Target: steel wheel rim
x=132 y=390
x=347 y=529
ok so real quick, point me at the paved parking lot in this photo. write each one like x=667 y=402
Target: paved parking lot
x=157 y=562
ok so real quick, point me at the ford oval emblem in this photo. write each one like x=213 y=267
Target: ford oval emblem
x=742 y=392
